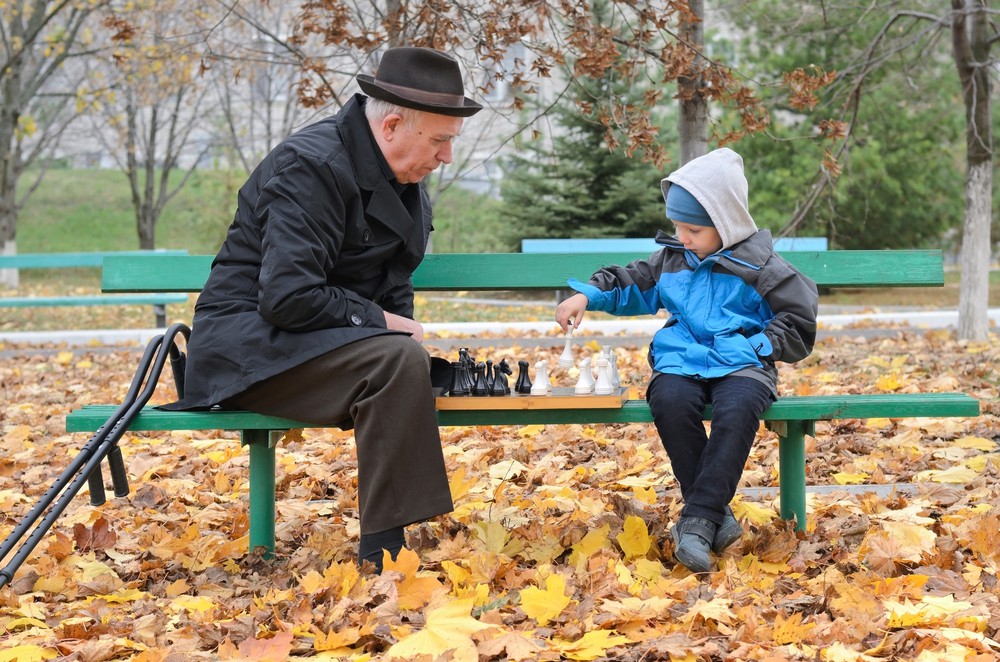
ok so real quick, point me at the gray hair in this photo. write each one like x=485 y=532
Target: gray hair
x=377 y=110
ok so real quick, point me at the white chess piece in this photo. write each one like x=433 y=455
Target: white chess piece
x=603 y=385
x=566 y=359
x=615 y=377
x=585 y=385
x=541 y=385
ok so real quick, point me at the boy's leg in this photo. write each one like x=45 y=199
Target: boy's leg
x=737 y=404
x=677 y=405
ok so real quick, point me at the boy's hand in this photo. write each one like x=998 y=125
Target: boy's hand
x=571 y=310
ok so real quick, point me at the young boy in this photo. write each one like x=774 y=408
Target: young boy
x=735 y=309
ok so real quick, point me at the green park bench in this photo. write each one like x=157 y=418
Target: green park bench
x=158 y=300
x=791 y=417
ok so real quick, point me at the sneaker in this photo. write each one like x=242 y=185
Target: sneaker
x=693 y=538
x=728 y=532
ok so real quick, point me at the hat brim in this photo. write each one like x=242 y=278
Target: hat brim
x=371 y=87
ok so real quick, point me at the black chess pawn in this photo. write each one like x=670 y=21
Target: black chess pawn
x=479 y=387
x=497 y=387
x=490 y=377
x=459 y=379
x=469 y=369
x=503 y=369
x=523 y=383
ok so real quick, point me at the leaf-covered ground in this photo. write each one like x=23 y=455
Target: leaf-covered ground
x=557 y=548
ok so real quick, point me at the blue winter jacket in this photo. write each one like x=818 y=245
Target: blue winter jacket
x=735 y=312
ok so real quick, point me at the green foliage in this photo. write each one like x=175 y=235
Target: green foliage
x=468 y=222
x=89 y=210
x=902 y=179
x=570 y=183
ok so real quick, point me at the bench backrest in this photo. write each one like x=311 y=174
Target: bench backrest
x=528 y=271
x=647 y=244
x=73 y=260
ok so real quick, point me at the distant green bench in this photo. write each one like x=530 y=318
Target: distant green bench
x=158 y=300
x=790 y=417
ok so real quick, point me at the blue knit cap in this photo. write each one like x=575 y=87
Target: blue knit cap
x=684 y=207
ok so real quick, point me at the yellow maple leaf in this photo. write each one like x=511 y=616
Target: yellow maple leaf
x=530 y=430
x=634 y=538
x=914 y=540
x=975 y=443
x=590 y=646
x=192 y=603
x=27 y=653
x=716 y=610
x=594 y=541
x=890 y=382
x=546 y=604
x=493 y=534
x=645 y=495
x=414 y=591
x=449 y=628
x=929 y=611
x=954 y=475
x=336 y=639
x=756 y=513
x=791 y=629
x=844 y=478
x=459 y=484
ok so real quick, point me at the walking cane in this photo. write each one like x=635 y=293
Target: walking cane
x=87 y=464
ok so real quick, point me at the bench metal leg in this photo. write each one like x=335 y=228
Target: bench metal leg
x=792 y=468
x=262 y=465
x=160 y=313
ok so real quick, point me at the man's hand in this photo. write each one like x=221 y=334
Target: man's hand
x=571 y=310
x=399 y=323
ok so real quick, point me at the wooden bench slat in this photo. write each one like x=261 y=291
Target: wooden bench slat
x=527 y=271
x=74 y=260
x=791 y=408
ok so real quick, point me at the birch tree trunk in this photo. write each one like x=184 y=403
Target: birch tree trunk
x=971 y=44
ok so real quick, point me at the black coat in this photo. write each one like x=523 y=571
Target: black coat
x=324 y=240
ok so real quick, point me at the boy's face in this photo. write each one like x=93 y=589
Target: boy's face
x=700 y=239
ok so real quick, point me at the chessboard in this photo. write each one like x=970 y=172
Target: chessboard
x=561 y=397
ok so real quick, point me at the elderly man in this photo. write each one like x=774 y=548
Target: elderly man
x=308 y=311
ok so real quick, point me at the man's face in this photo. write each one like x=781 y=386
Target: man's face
x=416 y=148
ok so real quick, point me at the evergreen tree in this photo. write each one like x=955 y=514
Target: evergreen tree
x=571 y=184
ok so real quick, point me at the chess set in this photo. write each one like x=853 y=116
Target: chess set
x=485 y=384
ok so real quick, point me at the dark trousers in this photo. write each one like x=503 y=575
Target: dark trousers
x=383 y=385
x=707 y=466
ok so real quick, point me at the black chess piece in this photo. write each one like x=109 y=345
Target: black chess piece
x=503 y=369
x=489 y=375
x=523 y=383
x=479 y=386
x=459 y=379
x=497 y=387
x=469 y=364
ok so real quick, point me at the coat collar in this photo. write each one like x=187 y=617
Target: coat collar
x=374 y=174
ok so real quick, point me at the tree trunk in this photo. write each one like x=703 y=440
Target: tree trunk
x=971 y=45
x=693 y=124
x=10 y=159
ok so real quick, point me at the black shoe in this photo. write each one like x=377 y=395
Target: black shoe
x=727 y=533
x=693 y=538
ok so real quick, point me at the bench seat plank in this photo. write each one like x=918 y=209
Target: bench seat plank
x=791 y=408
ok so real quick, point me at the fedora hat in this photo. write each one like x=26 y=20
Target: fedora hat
x=422 y=79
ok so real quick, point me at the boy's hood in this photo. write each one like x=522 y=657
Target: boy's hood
x=717 y=181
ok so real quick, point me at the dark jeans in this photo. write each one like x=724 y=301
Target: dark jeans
x=708 y=467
